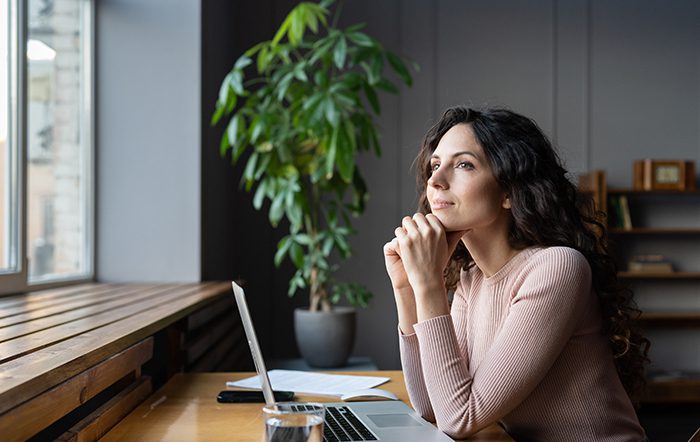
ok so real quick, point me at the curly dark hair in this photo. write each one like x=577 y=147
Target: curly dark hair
x=529 y=170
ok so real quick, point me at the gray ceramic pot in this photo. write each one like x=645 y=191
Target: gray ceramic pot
x=325 y=339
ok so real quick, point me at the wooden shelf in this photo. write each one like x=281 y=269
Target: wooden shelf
x=659 y=275
x=655 y=231
x=694 y=192
x=673 y=390
x=670 y=318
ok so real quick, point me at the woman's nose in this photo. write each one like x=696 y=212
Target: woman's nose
x=437 y=179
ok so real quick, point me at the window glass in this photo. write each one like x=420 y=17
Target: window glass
x=9 y=209
x=58 y=140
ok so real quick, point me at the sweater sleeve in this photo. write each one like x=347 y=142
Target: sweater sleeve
x=413 y=376
x=551 y=291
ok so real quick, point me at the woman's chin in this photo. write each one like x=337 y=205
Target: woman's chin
x=448 y=224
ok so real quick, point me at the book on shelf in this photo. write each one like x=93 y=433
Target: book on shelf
x=619 y=212
x=649 y=264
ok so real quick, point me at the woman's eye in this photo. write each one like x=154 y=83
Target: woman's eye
x=465 y=165
x=434 y=166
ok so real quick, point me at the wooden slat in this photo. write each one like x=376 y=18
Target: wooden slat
x=38 y=413
x=36 y=372
x=197 y=347
x=100 y=421
x=22 y=298
x=126 y=299
x=203 y=316
x=217 y=353
x=73 y=303
x=34 y=301
x=24 y=345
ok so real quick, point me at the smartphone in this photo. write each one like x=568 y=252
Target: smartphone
x=235 y=396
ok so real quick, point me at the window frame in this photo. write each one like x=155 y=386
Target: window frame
x=18 y=281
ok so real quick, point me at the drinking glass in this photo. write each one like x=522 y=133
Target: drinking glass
x=294 y=422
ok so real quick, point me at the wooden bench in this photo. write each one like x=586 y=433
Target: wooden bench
x=71 y=358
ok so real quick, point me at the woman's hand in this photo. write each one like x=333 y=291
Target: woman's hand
x=394 y=266
x=425 y=250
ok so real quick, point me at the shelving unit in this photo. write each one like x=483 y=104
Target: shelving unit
x=648 y=233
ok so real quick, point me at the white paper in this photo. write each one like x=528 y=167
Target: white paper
x=312 y=383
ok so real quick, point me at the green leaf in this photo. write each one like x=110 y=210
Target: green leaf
x=360 y=39
x=284 y=85
x=388 y=86
x=249 y=170
x=346 y=152
x=242 y=62
x=217 y=114
x=341 y=50
x=232 y=129
x=224 y=89
x=236 y=82
x=376 y=68
x=240 y=147
x=282 y=30
x=332 y=151
x=250 y=52
x=300 y=74
x=331 y=111
x=282 y=249
x=327 y=245
x=372 y=98
x=224 y=144
x=297 y=255
x=399 y=67
x=262 y=166
x=359 y=193
x=343 y=245
x=303 y=239
x=263 y=58
x=311 y=20
x=276 y=209
x=260 y=195
x=296 y=29
x=231 y=103
x=256 y=128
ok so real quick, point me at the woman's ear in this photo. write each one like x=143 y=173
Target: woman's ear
x=506 y=202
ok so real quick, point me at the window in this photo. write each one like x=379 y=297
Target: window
x=46 y=143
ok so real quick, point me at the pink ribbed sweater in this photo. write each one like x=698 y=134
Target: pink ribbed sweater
x=522 y=347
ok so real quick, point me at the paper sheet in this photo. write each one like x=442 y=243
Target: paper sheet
x=312 y=383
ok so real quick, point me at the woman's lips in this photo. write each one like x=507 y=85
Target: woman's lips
x=440 y=204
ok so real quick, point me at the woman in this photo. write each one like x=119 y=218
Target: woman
x=538 y=336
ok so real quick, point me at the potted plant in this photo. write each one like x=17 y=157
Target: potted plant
x=299 y=111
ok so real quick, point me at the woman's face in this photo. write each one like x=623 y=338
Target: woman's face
x=462 y=190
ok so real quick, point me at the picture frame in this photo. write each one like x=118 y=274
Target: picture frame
x=651 y=174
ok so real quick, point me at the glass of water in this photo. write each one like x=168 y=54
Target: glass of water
x=294 y=422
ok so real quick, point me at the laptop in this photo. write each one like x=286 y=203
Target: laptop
x=349 y=421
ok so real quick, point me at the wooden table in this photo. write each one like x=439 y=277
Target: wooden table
x=185 y=409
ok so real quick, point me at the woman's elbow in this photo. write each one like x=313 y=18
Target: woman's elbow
x=457 y=430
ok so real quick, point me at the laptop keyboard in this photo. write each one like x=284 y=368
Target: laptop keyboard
x=342 y=425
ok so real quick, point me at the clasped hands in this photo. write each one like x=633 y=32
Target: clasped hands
x=417 y=256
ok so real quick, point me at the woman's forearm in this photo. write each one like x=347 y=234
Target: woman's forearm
x=431 y=302
x=406 y=309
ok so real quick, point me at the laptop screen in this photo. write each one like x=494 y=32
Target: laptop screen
x=253 y=343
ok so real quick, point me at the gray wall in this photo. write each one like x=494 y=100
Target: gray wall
x=148 y=138
x=608 y=81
